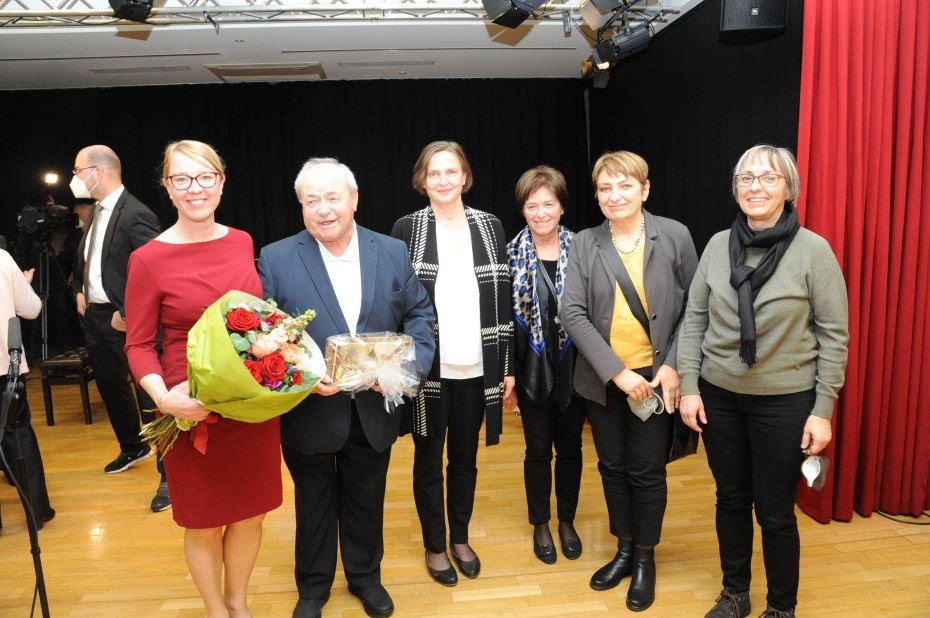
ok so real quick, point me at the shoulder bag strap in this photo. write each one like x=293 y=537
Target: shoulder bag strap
x=612 y=262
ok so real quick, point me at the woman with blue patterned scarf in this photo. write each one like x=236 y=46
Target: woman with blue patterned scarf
x=545 y=362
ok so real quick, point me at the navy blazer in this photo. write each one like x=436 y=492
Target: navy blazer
x=293 y=274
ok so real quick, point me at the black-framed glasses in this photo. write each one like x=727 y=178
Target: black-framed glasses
x=77 y=171
x=766 y=180
x=182 y=182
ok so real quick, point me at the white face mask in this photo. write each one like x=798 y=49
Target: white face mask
x=79 y=188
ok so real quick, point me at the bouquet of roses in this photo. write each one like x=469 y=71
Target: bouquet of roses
x=246 y=360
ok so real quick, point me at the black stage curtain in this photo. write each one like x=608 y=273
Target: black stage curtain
x=693 y=102
x=266 y=131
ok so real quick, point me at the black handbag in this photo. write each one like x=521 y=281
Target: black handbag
x=684 y=440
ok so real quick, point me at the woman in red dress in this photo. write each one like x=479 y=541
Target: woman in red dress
x=219 y=497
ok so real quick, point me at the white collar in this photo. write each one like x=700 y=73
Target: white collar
x=349 y=255
x=109 y=202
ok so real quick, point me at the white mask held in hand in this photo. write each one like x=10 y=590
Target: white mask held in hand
x=652 y=404
x=815 y=469
x=79 y=188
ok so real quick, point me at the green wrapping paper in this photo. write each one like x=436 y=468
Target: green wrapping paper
x=223 y=384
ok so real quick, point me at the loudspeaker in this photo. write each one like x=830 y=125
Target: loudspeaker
x=742 y=15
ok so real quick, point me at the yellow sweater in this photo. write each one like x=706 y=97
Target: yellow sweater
x=627 y=337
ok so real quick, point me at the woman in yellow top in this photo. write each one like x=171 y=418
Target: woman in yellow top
x=627 y=350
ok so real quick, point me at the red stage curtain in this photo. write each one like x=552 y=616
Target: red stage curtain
x=864 y=158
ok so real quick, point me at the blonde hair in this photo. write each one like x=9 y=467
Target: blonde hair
x=420 y=167
x=198 y=151
x=537 y=178
x=621 y=163
x=780 y=159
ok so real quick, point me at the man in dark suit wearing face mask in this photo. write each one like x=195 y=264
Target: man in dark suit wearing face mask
x=118 y=225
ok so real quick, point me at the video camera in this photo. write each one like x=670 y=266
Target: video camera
x=45 y=219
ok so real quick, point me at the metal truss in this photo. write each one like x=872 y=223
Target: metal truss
x=45 y=13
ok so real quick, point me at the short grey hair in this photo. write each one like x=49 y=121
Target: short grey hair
x=315 y=161
x=779 y=158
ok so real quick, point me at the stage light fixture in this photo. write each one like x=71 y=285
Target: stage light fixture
x=630 y=40
x=132 y=10
x=51 y=178
x=510 y=13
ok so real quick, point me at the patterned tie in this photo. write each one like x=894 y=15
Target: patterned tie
x=88 y=249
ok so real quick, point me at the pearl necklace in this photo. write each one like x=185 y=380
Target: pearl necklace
x=639 y=237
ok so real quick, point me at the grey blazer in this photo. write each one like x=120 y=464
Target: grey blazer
x=588 y=301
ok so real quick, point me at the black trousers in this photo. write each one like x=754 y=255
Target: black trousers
x=462 y=410
x=545 y=427
x=631 y=459
x=753 y=445
x=339 y=495
x=30 y=469
x=111 y=372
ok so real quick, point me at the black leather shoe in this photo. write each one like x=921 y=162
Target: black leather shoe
x=546 y=552
x=571 y=548
x=642 y=590
x=310 y=608
x=375 y=600
x=469 y=569
x=162 y=499
x=609 y=575
x=446 y=577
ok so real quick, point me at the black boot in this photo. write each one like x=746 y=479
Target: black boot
x=643 y=587
x=609 y=575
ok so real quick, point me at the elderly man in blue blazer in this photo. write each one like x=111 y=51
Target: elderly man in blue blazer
x=336 y=446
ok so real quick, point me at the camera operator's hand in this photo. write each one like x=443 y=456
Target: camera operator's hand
x=28 y=274
x=81 y=305
x=118 y=322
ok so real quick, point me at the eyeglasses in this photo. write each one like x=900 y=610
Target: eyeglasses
x=77 y=171
x=182 y=182
x=766 y=180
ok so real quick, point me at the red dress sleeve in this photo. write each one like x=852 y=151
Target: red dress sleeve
x=143 y=308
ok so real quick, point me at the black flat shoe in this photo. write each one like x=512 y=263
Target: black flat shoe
x=609 y=575
x=470 y=568
x=545 y=553
x=642 y=590
x=446 y=576
x=571 y=548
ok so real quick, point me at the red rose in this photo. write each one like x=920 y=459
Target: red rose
x=274 y=318
x=255 y=369
x=296 y=378
x=240 y=320
x=273 y=366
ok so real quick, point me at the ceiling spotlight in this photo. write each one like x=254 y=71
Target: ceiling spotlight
x=51 y=178
x=510 y=13
x=631 y=40
x=132 y=10
x=604 y=55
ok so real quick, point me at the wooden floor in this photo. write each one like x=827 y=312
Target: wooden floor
x=106 y=554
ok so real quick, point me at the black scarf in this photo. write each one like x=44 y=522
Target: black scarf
x=746 y=280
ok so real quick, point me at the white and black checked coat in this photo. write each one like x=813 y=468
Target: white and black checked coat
x=489 y=252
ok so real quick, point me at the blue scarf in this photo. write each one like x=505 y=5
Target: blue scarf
x=523 y=270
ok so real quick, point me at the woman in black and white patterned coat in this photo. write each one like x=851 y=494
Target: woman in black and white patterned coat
x=459 y=254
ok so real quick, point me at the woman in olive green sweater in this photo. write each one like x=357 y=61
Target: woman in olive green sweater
x=762 y=356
